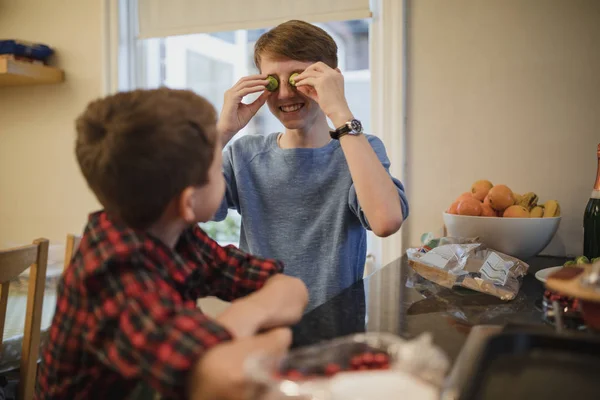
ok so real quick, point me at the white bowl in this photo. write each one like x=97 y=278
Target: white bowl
x=522 y=238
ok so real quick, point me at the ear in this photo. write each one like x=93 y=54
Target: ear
x=338 y=70
x=187 y=205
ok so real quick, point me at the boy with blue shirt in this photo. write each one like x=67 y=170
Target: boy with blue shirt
x=307 y=195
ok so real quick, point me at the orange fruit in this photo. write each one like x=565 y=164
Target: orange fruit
x=480 y=189
x=487 y=211
x=486 y=200
x=453 y=208
x=501 y=197
x=516 y=212
x=465 y=195
x=470 y=206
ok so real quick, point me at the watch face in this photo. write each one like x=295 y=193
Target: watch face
x=356 y=126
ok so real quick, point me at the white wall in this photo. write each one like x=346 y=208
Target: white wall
x=508 y=91
x=42 y=193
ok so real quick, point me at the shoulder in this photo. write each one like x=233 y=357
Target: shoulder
x=105 y=245
x=238 y=155
x=249 y=146
x=99 y=257
x=194 y=238
x=379 y=148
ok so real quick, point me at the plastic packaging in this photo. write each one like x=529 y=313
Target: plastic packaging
x=369 y=365
x=463 y=262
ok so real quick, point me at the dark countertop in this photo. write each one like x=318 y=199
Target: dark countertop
x=382 y=302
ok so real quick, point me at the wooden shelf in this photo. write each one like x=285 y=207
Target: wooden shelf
x=20 y=73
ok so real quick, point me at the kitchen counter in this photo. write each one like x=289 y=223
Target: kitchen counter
x=390 y=301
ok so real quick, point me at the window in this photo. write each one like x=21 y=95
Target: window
x=211 y=63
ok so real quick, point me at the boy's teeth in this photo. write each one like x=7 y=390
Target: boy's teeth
x=291 y=108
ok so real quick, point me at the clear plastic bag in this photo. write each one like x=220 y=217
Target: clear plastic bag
x=463 y=262
x=375 y=365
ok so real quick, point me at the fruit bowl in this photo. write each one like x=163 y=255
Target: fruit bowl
x=522 y=238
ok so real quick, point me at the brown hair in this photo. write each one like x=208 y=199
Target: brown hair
x=138 y=150
x=297 y=40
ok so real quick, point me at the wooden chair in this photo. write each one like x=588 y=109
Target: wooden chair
x=13 y=262
x=71 y=247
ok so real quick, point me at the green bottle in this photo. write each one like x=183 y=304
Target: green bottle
x=591 y=220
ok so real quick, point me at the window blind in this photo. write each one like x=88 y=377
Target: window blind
x=161 y=18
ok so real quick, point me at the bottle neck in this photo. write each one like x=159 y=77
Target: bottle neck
x=597 y=184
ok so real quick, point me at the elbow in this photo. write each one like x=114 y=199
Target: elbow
x=387 y=219
x=295 y=287
x=388 y=226
x=299 y=292
x=302 y=292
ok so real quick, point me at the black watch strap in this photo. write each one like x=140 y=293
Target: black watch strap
x=352 y=127
x=339 y=132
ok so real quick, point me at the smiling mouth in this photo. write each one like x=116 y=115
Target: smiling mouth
x=291 y=107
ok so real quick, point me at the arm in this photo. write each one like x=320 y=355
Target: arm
x=227 y=272
x=280 y=302
x=150 y=333
x=265 y=297
x=220 y=375
x=378 y=199
x=231 y=199
x=375 y=189
x=377 y=194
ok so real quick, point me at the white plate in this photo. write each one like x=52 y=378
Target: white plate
x=543 y=274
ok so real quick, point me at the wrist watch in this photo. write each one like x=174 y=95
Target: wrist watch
x=352 y=127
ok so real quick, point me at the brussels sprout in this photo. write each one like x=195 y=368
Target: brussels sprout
x=273 y=83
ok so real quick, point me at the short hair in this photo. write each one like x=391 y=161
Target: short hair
x=297 y=40
x=139 y=149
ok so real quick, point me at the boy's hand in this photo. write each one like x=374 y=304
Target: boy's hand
x=243 y=318
x=235 y=115
x=219 y=374
x=280 y=302
x=325 y=85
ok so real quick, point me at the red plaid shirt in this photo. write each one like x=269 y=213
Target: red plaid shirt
x=126 y=311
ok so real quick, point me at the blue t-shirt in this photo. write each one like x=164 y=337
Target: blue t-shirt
x=300 y=206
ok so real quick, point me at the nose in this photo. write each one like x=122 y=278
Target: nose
x=286 y=90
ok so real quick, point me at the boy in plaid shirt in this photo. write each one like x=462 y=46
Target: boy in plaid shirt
x=126 y=311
